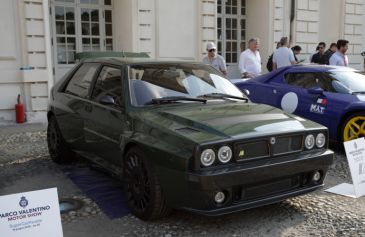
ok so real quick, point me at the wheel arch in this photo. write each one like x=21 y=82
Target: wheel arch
x=128 y=146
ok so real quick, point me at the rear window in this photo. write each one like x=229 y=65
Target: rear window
x=80 y=82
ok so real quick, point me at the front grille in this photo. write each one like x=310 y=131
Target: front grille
x=289 y=144
x=266 y=189
x=267 y=147
x=252 y=150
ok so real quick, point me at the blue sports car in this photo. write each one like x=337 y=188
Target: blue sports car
x=330 y=95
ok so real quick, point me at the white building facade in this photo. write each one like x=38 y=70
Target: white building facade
x=40 y=37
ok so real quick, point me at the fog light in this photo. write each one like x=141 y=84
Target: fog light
x=316 y=176
x=219 y=197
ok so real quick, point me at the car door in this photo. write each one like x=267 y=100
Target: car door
x=104 y=115
x=304 y=96
x=71 y=104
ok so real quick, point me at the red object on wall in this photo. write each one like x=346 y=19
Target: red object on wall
x=19 y=111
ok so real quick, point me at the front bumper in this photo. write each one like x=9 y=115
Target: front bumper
x=252 y=184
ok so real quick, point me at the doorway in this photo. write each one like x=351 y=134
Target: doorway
x=79 y=26
x=231 y=32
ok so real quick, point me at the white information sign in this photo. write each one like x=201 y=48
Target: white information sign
x=34 y=213
x=355 y=153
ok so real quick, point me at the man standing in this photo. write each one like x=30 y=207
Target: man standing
x=330 y=51
x=320 y=57
x=250 y=60
x=296 y=50
x=214 y=59
x=340 y=58
x=283 y=56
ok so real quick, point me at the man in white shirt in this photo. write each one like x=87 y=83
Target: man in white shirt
x=283 y=56
x=250 y=60
x=215 y=60
x=340 y=58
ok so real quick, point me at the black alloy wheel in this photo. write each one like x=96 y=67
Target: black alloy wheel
x=144 y=194
x=57 y=146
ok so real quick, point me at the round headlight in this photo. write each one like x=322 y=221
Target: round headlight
x=309 y=142
x=320 y=140
x=207 y=157
x=224 y=154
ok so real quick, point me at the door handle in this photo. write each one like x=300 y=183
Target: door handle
x=88 y=107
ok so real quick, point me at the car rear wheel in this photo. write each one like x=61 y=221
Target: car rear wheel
x=354 y=127
x=144 y=193
x=57 y=146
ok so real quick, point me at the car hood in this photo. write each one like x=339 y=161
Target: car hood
x=211 y=122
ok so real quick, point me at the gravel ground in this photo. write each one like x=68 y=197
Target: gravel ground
x=25 y=166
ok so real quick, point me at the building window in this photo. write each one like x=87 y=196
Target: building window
x=81 y=26
x=231 y=28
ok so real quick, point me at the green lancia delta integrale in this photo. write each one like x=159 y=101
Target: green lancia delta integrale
x=181 y=136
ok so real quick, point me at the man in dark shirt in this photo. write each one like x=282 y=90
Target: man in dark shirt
x=331 y=50
x=320 y=57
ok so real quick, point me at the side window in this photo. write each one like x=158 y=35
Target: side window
x=304 y=80
x=108 y=83
x=80 y=82
x=326 y=84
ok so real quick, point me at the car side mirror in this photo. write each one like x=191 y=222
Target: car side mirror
x=107 y=100
x=246 y=92
x=315 y=91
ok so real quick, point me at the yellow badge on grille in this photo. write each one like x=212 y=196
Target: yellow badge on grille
x=242 y=153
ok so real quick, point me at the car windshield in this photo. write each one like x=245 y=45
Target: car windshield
x=178 y=83
x=351 y=81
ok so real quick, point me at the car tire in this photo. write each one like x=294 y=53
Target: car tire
x=353 y=127
x=144 y=193
x=58 y=149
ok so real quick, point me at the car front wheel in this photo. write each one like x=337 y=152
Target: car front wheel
x=354 y=127
x=144 y=193
x=57 y=146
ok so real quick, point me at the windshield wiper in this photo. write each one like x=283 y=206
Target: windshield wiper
x=357 y=92
x=169 y=99
x=223 y=96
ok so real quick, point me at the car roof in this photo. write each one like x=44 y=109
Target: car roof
x=303 y=68
x=123 y=61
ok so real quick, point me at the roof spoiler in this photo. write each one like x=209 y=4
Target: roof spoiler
x=112 y=54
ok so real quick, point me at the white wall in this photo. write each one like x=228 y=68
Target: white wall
x=176 y=31
x=259 y=25
x=10 y=59
x=124 y=25
x=330 y=21
x=353 y=31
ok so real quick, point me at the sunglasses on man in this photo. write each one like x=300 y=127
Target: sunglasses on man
x=211 y=50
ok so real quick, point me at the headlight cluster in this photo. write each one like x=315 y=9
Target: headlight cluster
x=208 y=156
x=319 y=141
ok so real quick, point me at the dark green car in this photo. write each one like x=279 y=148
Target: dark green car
x=182 y=136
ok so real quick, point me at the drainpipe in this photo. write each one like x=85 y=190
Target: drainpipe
x=292 y=17
x=47 y=39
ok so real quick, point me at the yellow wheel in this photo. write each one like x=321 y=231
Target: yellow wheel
x=354 y=127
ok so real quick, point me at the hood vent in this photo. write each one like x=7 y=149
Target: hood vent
x=187 y=130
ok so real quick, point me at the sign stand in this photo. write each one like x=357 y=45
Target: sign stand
x=355 y=153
